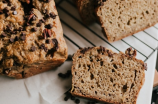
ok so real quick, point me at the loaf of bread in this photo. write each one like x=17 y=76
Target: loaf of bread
x=31 y=37
x=121 y=18
x=99 y=73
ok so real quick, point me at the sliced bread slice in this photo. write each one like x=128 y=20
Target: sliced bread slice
x=99 y=73
x=121 y=18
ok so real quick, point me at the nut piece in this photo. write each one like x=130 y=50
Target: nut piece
x=130 y=52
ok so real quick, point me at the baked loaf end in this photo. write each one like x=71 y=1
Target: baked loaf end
x=31 y=37
x=100 y=74
x=121 y=18
x=86 y=10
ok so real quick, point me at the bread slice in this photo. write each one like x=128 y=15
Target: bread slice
x=31 y=37
x=100 y=74
x=121 y=18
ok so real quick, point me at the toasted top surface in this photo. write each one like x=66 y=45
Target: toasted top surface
x=98 y=73
x=120 y=18
x=30 y=31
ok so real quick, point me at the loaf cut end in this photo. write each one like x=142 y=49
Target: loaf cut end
x=100 y=74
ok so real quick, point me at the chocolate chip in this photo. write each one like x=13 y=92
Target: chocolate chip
x=3 y=35
x=69 y=58
x=13 y=8
x=5 y=10
x=23 y=36
x=16 y=38
x=49 y=26
x=34 y=29
x=125 y=87
x=7 y=14
x=33 y=48
x=20 y=29
x=15 y=13
x=66 y=98
x=48 y=41
x=72 y=98
x=77 y=101
x=39 y=24
x=52 y=15
x=11 y=40
x=8 y=28
x=55 y=42
x=48 y=1
x=42 y=20
x=6 y=71
x=43 y=47
x=9 y=4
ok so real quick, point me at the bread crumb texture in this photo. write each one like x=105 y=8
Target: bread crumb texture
x=120 y=18
x=98 y=73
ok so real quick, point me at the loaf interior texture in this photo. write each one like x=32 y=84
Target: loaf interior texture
x=31 y=37
x=99 y=73
x=121 y=18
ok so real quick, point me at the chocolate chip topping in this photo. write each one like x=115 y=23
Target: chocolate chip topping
x=23 y=36
x=43 y=47
x=8 y=28
x=13 y=8
x=49 y=26
x=48 y=41
x=9 y=4
x=109 y=53
x=55 y=42
x=42 y=20
x=5 y=10
x=84 y=50
x=52 y=15
x=11 y=40
x=34 y=29
x=3 y=35
x=39 y=24
x=130 y=52
x=16 y=38
x=6 y=71
x=33 y=48
x=15 y=13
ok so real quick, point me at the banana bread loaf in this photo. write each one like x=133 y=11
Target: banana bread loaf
x=121 y=18
x=31 y=37
x=100 y=74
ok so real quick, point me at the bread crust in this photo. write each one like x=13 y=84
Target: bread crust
x=79 y=7
x=97 y=98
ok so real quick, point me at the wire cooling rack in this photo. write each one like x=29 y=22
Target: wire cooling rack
x=80 y=35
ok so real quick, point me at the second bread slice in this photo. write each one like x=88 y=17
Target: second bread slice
x=121 y=18
x=100 y=74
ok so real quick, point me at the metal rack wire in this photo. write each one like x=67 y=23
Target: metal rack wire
x=66 y=5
